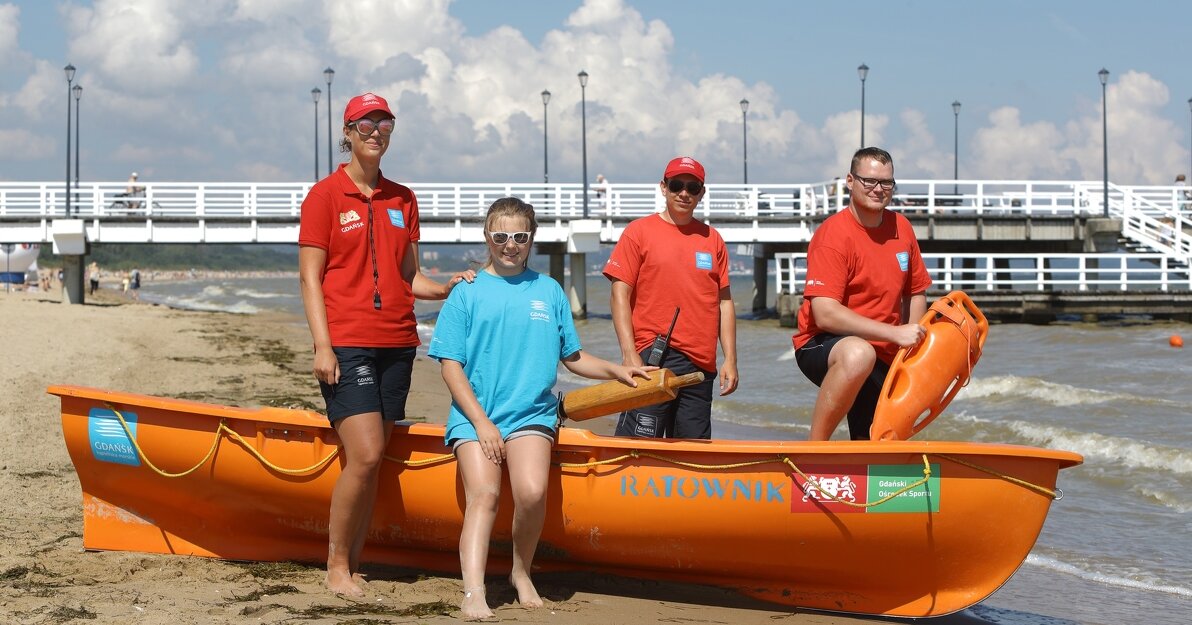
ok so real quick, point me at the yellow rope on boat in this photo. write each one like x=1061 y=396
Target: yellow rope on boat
x=1054 y=494
x=633 y=454
x=222 y=429
x=645 y=454
x=423 y=462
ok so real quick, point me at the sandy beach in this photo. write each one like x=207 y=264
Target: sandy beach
x=245 y=360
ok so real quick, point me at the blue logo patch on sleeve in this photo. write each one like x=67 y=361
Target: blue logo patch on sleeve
x=903 y=260
x=396 y=218
x=703 y=260
x=108 y=441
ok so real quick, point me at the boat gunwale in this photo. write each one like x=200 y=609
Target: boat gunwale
x=573 y=437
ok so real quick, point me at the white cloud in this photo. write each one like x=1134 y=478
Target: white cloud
x=10 y=27
x=367 y=32
x=1006 y=149
x=1144 y=146
x=139 y=45
x=22 y=144
x=917 y=155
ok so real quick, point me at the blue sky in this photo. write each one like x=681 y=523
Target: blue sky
x=220 y=90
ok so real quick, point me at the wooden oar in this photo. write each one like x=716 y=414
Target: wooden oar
x=616 y=396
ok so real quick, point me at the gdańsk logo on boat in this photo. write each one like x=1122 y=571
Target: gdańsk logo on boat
x=107 y=439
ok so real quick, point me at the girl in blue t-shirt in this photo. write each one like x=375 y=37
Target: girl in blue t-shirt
x=499 y=341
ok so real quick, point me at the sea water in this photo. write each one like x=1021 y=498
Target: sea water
x=1116 y=549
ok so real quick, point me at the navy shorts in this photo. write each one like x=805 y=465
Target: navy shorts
x=688 y=415
x=371 y=379
x=813 y=362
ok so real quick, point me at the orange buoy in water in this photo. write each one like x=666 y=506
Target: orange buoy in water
x=1176 y=340
x=923 y=379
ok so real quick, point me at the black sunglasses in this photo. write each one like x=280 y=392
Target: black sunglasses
x=694 y=187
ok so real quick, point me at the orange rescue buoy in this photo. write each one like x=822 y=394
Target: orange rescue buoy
x=1176 y=340
x=923 y=379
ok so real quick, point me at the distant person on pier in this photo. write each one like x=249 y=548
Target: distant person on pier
x=1182 y=182
x=499 y=341
x=865 y=293
x=133 y=189
x=603 y=195
x=359 y=274
x=668 y=261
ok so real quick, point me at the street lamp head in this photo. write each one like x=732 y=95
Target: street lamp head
x=328 y=74
x=545 y=97
x=744 y=105
x=70 y=72
x=1190 y=104
x=1103 y=75
x=862 y=71
x=583 y=78
x=956 y=107
x=315 y=93
x=78 y=92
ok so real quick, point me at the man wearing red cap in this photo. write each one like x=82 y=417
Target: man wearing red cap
x=359 y=274
x=666 y=262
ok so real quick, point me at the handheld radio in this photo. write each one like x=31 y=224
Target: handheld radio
x=661 y=343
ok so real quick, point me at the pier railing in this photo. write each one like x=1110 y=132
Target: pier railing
x=1027 y=272
x=1156 y=217
x=449 y=200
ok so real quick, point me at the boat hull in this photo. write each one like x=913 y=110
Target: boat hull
x=726 y=513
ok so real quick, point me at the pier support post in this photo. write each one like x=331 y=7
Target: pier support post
x=554 y=253
x=70 y=242
x=584 y=237
x=759 y=281
x=577 y=292
x=72 y=280
x=556 y=268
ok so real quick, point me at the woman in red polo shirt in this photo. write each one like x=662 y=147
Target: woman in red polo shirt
x=358 y=267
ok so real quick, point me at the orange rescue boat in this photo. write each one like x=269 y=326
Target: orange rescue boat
x=899 y=528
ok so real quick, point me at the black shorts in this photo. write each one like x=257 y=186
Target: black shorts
x=531 y=429
x=813 y=362
x=688 y=415
x=371 y=379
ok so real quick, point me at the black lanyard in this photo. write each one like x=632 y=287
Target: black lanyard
x=372 y=248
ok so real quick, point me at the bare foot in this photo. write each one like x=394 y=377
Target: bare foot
x=359 y=579
x=341 y=583
x=527 y=595
x=475 y=606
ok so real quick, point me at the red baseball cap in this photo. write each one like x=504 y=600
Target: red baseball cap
x=684 y=165
x=364 y=104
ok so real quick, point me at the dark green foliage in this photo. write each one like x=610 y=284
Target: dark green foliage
x=183 y=256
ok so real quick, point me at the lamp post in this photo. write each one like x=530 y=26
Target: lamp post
x=78 y=93
x=955 y=146
x=329 y=74
x=70 y=73
x=1190 y=135
x=1104 y=76
x=545 y=167
x=745 y=136
x=862 y=71
x=583 y=84
x=314 y=95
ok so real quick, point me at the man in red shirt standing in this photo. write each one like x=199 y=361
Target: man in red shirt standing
x=865 y=292
x=666 y=262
